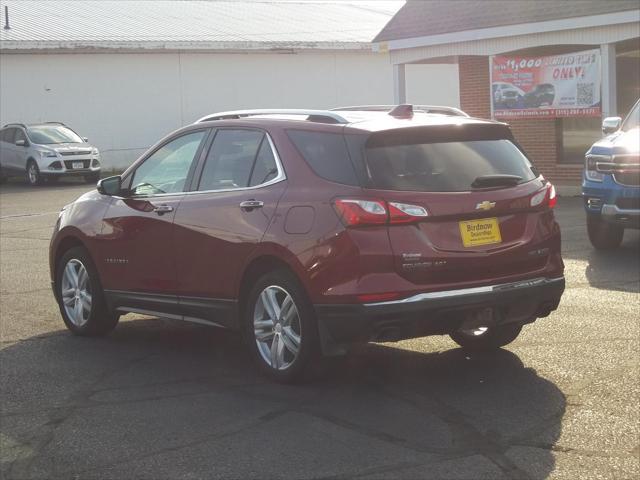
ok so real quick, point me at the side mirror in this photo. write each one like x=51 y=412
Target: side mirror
x=85 y=139
x=611 y=125
x=21 y=143
x=110 y=185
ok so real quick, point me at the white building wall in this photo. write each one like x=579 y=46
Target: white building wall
x=126 y=102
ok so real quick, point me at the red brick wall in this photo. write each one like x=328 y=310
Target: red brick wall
x=540 y=138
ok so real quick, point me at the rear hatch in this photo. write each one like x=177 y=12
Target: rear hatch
x=486 y=209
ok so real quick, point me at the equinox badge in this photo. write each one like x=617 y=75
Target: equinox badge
x=486 y=205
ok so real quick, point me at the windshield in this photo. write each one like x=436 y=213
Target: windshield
x=633 y=119
x=445 y=167
x=50 y=134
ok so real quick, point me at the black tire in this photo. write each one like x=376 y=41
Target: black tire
x=93 y=178
x=492 y=339
x=34 y=178
x=301 y=364
x=100 y=320
x=603 y=235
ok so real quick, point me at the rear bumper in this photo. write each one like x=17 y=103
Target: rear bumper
x=437 y=313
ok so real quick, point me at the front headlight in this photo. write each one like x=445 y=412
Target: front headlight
x=48 y=154
x=95 y=152
x=591 y=170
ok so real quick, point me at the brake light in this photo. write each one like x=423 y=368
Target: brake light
x=548 y=194
x=355 y=212
x=552 y=196
x=361 y=212
x=405 y=213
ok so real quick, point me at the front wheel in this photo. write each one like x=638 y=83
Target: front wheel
x=487 y=338
x=603 y=235
x=33 y=174
x=280 y=327
x=80 y=295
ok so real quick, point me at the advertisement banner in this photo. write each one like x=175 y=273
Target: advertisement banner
x=556 y=86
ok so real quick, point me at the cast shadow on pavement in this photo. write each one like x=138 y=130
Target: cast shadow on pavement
x=160 y=399
x=617 y=269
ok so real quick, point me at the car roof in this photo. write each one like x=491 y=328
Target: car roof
x=364 y=119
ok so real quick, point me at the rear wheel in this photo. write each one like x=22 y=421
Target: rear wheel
x=80 y=295
x=280 y=327
x=603 y=235
x=33 y=174
x=485 y=338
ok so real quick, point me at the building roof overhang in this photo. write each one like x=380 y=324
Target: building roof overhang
x=608 y=19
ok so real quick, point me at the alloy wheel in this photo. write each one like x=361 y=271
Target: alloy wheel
x=33 y=174
x=277 y=327
x=76 y=292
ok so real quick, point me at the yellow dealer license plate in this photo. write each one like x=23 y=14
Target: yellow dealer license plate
x=480 y=232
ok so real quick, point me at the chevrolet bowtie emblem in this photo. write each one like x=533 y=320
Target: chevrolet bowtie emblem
x=486 y=205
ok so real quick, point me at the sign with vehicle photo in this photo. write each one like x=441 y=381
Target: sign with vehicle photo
x=555 y=86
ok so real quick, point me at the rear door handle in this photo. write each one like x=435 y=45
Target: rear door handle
x=162 y=209
x=251 y=204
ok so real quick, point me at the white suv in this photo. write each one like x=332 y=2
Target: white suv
x=46 y=151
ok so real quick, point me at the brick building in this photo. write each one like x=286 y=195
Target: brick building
x=472 y=33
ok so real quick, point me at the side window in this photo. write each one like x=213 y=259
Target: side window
x=265 y=168
x=326 y=154
x=20 y=135
x=8 y=135
x=166 y=170
x=231 y=159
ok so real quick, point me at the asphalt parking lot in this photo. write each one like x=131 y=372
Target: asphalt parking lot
x=160 y=399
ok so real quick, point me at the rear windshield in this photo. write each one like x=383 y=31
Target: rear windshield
x=445 y=166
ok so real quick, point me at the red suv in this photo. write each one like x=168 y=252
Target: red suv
x=311 y=230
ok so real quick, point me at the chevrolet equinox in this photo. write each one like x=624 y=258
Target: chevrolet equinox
x=310 y=230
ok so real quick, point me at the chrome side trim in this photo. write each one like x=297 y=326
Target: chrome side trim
x=278 y=178
x=470 y=291
x=613 y=210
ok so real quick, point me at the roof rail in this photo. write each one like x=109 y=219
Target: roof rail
x=321 y=116
x=438 y=109
x=54 y=123
x=13 y=124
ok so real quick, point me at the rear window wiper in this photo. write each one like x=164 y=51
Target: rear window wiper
x=488 y=181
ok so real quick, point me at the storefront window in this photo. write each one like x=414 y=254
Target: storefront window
x=578 y=134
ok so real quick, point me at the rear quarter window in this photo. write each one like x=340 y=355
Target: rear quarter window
x=326 y=154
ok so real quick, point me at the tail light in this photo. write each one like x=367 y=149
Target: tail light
x=553 y=199
x=547 y=195
x=405 y=213
x=355 y=213
x=361 y=212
